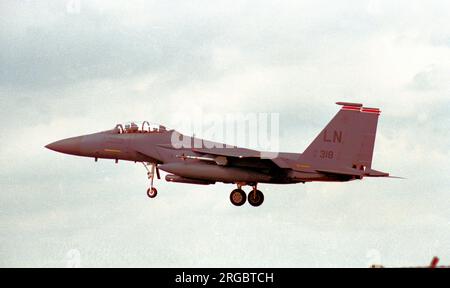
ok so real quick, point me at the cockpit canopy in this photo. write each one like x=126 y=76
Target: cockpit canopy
x=138 y=127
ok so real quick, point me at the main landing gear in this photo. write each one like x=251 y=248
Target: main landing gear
x=151 y=169
x=238 y=196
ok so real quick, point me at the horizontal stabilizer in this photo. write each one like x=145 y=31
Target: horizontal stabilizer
x=342 y=171
x=376 y=173
x=354 y=172
x=396 y=177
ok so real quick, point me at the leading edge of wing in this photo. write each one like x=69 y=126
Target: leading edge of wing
x=230 y=152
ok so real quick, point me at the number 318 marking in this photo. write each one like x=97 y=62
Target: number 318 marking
x=326 y=154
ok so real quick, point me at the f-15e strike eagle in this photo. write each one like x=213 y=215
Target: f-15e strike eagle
x=341 y=152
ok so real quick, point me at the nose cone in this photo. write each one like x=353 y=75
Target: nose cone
x=68 y=146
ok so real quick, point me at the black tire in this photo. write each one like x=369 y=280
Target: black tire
x=238 y=197
x=255 y=199
x=152 y=192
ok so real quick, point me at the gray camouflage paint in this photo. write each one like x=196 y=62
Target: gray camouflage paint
x=341 y=152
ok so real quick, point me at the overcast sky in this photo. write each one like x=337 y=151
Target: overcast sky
x=69 y=68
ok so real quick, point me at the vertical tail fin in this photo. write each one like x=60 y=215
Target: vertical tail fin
x=347 y=142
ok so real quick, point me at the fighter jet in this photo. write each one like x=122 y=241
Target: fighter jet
x=341 y=152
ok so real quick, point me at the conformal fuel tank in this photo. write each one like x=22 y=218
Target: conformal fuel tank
x=214 y=172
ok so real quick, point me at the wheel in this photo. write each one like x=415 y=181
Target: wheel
x=238 y=197
x=255 y=198
x=152 y=192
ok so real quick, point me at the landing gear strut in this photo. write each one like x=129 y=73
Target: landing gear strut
x=151 y=192
x=238 y=196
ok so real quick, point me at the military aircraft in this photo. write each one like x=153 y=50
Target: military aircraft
x=341 y=152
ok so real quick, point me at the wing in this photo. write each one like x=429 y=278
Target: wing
x=238 y=157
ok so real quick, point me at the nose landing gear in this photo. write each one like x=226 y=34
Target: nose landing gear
x=151 y=192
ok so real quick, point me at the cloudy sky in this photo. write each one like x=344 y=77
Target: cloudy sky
x=74 y=67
